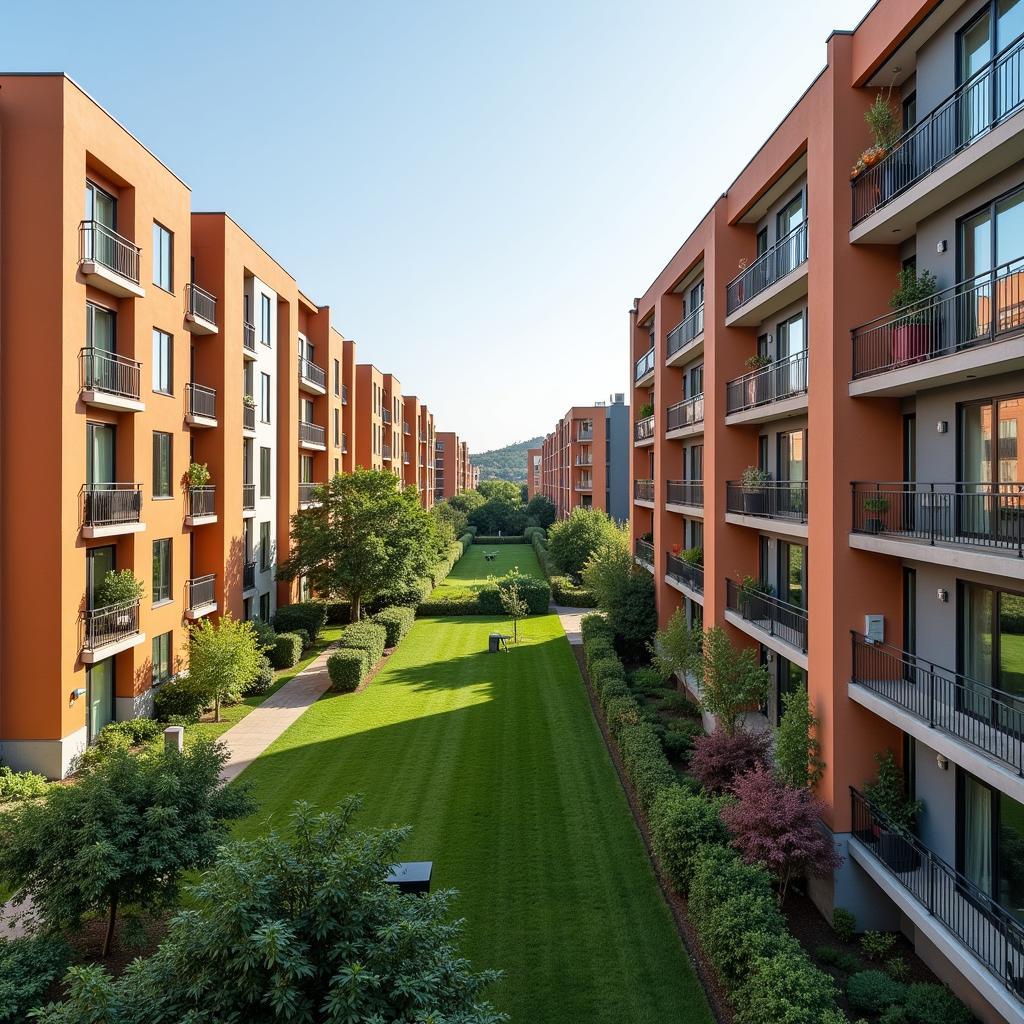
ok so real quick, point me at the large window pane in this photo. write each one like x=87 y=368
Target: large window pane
x=163 y=249
x=163 y=361
x=161 y=465
x=161 y=571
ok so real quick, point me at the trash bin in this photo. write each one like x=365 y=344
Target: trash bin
x=494 y=643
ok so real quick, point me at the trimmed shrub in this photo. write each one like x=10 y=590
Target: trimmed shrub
x=645 y=762
x=565 y=592
x=928 y=1003
x=408 y=596
x=784 y=986
x=874 y=991
x=287 y=651
x=262 y=681
x=533 y=531
x=647 y=680
x=20 y=786
x=177 y=699
x=307 y=615
x=680 y=735
x=339 y=613
x=266 y=637
x=515 y=538
x=718 y=758
x=596 y=625
x=28 y=966
x=365 y=636
x=454 y=602
x=347 y=668
x=605 y=669
x=682 y=823
x=832 y=956
x=535 y=592
x=619 y=711
x=598 y=649
x=396 y=622
x=844 y=924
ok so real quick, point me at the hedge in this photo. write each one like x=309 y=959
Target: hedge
x=29 y=965
x=515 y=538
x=396 y=622
x=347 y=668
x=308 y=615
x=533 y=531
x=681 y=824
x=535 y=592
x=287 y=651
x=645 y=762
x=454 y=602
x=567 y=593
x=596 y=625
x=365 y=636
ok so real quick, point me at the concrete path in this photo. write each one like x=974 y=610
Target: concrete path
x=570 y=619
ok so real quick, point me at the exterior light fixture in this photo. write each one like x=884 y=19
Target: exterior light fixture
x=942 y=762
x=942 y=594
x=80 y=692
x=942 y=427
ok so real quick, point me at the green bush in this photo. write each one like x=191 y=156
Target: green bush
x=682 y=823
x=873 y=991
x=533 y=531
x=784 y=986
x=597 y=649
x=515 y=538
x=339 y=613
x=20 y=785
x=406 y=596
x=396 y=622
x=877 y=945
x=262 y=681
x=536 y=593
x=365 y=636
x=28 y=966
x=570 y=594
x=596 y=625
x=605 y=668
x=646 y=680
x=287 y=651
x=266 y=637
x=645 y=762
x=347 y=668
x=928 y=1003
x=832 y=956
x=844 y=924
x=307 y=615
x=620 y=710
x=178 y=700
x=679 y=736
x=454 y=602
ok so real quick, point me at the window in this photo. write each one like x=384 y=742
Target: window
x=265 y=311
x=163 y=254
x=161 y=465
x=265 y=397
x=910 y=111
x=264 y=547
x=100 y=328
x=306 y=410
x=100 y=206
x=247 y=609
x=337 y=467
x=163 y=362
x=790 y=217
x=337 y=377
x=306 y=469
x=337 y=428
x=264 y=472
x=162 y=661
x=265 y=607
x=161 y=571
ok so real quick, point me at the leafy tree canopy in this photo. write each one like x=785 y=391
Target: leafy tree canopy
x=573 y=540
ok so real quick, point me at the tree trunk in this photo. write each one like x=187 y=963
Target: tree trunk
x=356 y=609
x=108 y=940
x=216 y=708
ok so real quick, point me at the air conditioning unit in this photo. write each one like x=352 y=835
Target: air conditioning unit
x=619 y=398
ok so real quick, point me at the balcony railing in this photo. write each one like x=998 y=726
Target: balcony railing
x=584 y=460
x=405 y=458
x=200 y=591
x=583 y=436
x=109 y=625
x=684 y=572
x=685 y=492
x=686 y=413
x=200 y=302
x=643 y=490
x=405 y=427
x=249 y=336
x=249 y=576
x=111 y=504
x=312 y=374
x=311 y=433
x=385 y=452
x=773 y=383
x=643 y=430
x=777 y=618
x=788 y=253
x=978 y=105
x=109 y=373
x=645 y=364
x=201 y=500
x=385 y=416
x=100 y=244
x=248 y=417
x=644 y=551
x=202 y=401
x=971 y=515
x=585 y=483
x=973 y=313
x=686 y=331
x=344 y=394
x=308 y=492
x=774 y=499
x=968 y=913
x=344 y=444
x=248 y=497
x=984 y=718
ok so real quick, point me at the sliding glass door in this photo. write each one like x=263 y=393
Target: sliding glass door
x=990 y=504
x=992 y=655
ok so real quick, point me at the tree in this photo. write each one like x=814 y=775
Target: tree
x=779 y=826
x=497 y=515
x=540 y=509
x=363 y=538
x=122 y=835
x=719 y=758
x=503 y=490
x=445 y=514
x=797 y=750
x=572 y=541
x=223 y=659
x=512 y=602
x=623 y=590
x=676 y=648
x=731 y=680
x=466 y=501
x=294 y=928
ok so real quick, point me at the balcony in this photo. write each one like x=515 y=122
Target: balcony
x=200 y=596
x=774 y=280
x=108 y=631
x=975 y=328
x=967 y=139
x=643 y=492
x=782 y=502
x=770 y=392
x=344 y=444
x=248 y=576
x=405 y=458
x=201 y=403
x=308 y=494
x=248 y=499
x=312 y=436
x=688 y=494
x=201 y=508
x=684 y=575
x=644 y=369
x=108 y=261
x=111 y=509
x=109 y=381
x=768 y=620
x=344 y=394
x=249 y=419
x=585 y=484
x=200 y=310
x=962 y=525
x=385 y=452
x=312 y=378
x=963 y=923
x=584 y=460
x=685 y=418
x=585 y=436
x=405 y=427
x=385 y=416
x=248 y=340
x=644 y=551
x=686 y=339
x=643 y=431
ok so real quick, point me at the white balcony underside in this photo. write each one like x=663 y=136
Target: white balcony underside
x=111 y=530
x=91 y=655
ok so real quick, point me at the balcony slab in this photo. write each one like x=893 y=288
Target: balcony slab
x=194 y=420
x=995 y=562
x=690 y=430
x=305 y=384
x=645 y=442
x=312 y=446
x=200 y=520
x=769 y=411
x=112 y=530
x=109 y=281
x=643 y=503
x=115 y=403
x=694 y=350
x=694 y=511
x=693 y=595
x=772 y=642
x=91 y=655
x=200 y=610
x=777 y=527
x=196 y=324
x=775 y=297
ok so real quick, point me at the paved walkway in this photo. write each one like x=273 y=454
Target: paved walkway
x=570 y=619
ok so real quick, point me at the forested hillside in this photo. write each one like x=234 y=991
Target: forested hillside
x=508 y=463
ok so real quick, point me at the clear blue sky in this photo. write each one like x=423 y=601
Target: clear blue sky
x=478 y=189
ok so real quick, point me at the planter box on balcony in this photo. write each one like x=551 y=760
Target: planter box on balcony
x=911 y=343
x=753 y=503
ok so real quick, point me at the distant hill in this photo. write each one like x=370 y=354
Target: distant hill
x=508 y=463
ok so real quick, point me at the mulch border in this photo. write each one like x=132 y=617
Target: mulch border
x=713 y=991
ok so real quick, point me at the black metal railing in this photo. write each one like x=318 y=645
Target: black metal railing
x=200 y=302
x=777 y=618
x=686 y=413
x=99 y=244
x=983 y=717
x=385 y=452
x=645 y=364
x=201 y=500
x=585 y=483
x=643 y=430
x=781 y=259
x=344 y=394
x=312 y=374
x=311 y=433
x=202 y=401
x=970 y=314
x=774 y=499
x=248 y=417
x=684 y=572
x=644 y=550
x=972 y=515
x=249 y=576
x=308 y=492
x=111 y=504
x=200 y=591
x=109 y=373
x=772 y=383
x=950 y=897
x=344 y=444
x=109 y=625
x=685 y=492
x=686 y=331
x=986 y=99
x=248 y=336
x=643 y=490
x=248 y=497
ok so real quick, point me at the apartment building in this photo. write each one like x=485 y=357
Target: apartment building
x=534 y=471
x=417 y=428
x=371 y=431
x=449 y=468
x=837 y=482
x=585 y=460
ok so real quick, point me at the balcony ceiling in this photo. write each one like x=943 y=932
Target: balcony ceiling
x=789 y=180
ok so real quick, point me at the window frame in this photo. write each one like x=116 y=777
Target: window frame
x=165 y=645
x=158 y=493
x=266 y=472
x=163 y=592
x=166 y=355
x=160 y=233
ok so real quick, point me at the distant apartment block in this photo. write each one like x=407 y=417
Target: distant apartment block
x=534 y=471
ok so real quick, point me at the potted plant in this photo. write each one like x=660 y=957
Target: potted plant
x=752 y=484
x=645 y=410
x=248 y=401
x=756 y=362
x=887 y=796
x=198 y=474
x=912 y=333
x=751 y=589
x=119 y=590
x=883 y=120
x=694 y=557
x=876 y=507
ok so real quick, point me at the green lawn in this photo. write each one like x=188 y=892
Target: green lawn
x=471 y=571
x=498 y=764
